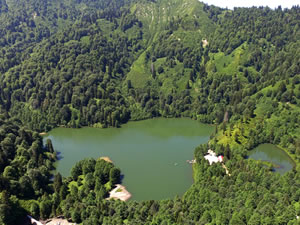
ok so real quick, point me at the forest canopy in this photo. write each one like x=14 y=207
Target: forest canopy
x=103 y=63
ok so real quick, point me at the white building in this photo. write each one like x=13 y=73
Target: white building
x=212 y=157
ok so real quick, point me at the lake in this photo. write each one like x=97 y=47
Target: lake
x=273 y=154
x=151 y=154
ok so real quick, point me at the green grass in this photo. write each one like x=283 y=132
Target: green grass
x=195 y=171
x=283 y=113
x=138 y=73
x=85 y=40
x=70 y=43
x=105 y=25
x=155 y=17
x=229 y=64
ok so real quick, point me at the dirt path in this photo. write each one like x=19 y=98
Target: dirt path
x=227 y=171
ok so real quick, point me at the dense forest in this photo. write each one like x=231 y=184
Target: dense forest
x=103 y=63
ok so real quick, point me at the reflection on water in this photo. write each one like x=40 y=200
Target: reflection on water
x=152 y=153
x=273 y=154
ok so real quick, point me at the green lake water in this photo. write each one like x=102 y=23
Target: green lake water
x=151 y=154
x=273 y=154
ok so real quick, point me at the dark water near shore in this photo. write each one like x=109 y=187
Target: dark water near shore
x=151 y=154
x=273 y=154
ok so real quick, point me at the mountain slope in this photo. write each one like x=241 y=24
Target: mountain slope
x=103 y=63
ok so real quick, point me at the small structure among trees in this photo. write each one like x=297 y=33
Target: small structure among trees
x=212 y=157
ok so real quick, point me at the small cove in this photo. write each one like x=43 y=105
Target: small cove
x=271 y=153
x=151 y=154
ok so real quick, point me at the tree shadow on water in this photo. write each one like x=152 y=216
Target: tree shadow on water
x=59 y=155
x=122 y=178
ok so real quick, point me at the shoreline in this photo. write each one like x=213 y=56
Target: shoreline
x=119 y=192
x=294 y=160
x=61 y=221
x=52 y=221
x=107 y=159
x=136 y=120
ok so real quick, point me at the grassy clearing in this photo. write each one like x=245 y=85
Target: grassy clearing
x=172 y=79
x=229 y=64
x=138 y=73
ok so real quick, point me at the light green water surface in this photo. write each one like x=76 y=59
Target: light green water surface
x=151 y=154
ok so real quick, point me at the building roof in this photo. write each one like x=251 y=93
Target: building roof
x=212 y=157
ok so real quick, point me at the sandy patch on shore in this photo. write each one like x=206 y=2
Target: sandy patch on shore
x=107 y=159
x=119 y=192
x=57 y=221
x=53 y=221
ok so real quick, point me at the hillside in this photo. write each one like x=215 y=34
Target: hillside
x=103 y=63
